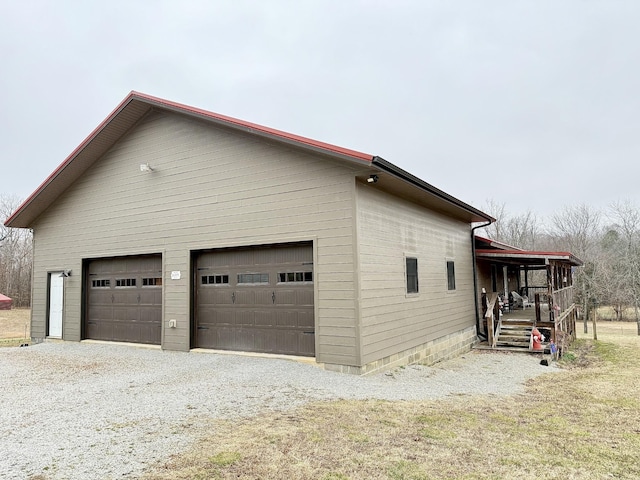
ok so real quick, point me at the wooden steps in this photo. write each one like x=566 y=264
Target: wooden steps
x=515 y=333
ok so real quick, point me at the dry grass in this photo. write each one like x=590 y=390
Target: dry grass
x=582 y=423
x=14 y=326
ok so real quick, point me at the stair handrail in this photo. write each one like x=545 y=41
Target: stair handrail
x=493 y=328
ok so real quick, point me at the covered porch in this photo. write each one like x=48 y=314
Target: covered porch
x=524 y=296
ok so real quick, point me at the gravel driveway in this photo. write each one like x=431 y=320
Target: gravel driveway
x=84 y=410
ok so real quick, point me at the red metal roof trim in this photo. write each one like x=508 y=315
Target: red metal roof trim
x=254 y=126
x=529 y=254
x=524 y=253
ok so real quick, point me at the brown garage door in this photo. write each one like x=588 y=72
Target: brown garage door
x=256 y=299
x=124 y=301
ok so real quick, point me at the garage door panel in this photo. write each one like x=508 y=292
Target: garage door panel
x=244 y=318
x=306 y=321
x=287 y=342
x=265 y=341
x=150 y=297
x=263 y=297
x=223 y=336
x=220 y=297
x=94 y=330
x=221 y=317
x=122 y=331
x=125 y=298
x=269 y=291
x=244 y=340
x=306 y=344
x=286 y=297
x=267 y=318
x=124 y=301
x=148 y=315
x=304 y=297
x=287 y=318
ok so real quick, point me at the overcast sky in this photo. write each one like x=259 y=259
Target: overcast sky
x=534 y=104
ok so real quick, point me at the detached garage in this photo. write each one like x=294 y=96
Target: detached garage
x=179 y=227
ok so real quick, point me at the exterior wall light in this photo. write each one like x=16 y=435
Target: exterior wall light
x=372 y=179
x=65 y=274
x=145 y=167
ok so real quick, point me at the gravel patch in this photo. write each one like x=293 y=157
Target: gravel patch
x=81 y=410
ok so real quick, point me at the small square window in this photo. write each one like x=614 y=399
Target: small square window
x=451 y=275
x=215 y=280
x=412 y=275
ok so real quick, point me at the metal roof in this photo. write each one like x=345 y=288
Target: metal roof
x=525 y=257
x=495 y=244
x=137 y=105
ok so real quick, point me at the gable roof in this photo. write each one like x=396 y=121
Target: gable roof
x=137 y=105
x=4 y=298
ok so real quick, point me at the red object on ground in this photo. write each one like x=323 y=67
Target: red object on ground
x=538 y=338
x=5 y=302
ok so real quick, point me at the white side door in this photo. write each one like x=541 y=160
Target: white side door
x=56 y=296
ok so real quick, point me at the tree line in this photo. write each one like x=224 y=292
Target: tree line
x=606 y=240
x=16 y=257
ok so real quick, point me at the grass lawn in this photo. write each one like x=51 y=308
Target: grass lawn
x=582 y=423
x=14 y=326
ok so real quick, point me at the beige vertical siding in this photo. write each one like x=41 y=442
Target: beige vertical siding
x=388 y=230
x=210 y=188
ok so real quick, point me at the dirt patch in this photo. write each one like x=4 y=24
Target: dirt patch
x=15 y=323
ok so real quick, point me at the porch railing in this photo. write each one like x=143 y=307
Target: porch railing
x=563 y=299
x=530 y=292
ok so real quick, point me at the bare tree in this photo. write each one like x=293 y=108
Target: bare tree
x=521 y=231
x=626 y=224
x=578 y=229
x=15 y=256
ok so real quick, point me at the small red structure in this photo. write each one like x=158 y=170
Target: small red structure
x=5 y=302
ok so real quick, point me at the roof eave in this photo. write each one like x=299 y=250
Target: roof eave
x=474 y=214
x=544 y=256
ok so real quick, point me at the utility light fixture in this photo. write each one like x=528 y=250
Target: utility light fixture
x=145 y=167
x=372 y=179
x=65 y=274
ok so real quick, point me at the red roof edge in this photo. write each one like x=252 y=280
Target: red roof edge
x=254 y=126
x=133 y=95
x=531 y=253
x=524 y=252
